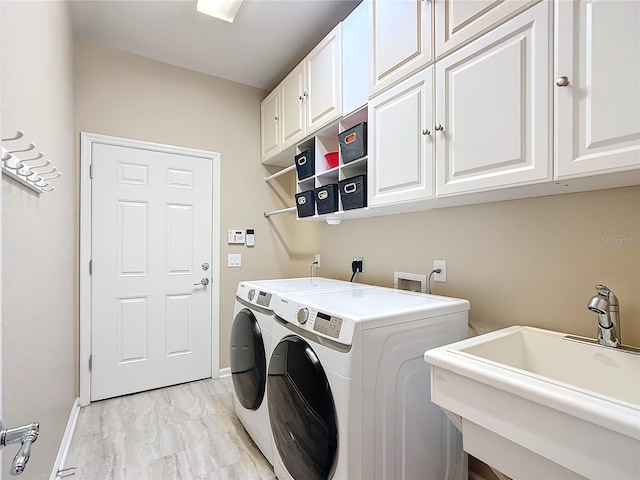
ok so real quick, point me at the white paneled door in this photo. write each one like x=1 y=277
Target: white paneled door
x=151 y=249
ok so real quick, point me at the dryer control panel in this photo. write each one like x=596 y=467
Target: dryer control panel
x=321 y=323
x=328 y=325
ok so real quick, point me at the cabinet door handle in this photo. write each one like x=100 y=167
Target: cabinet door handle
x=426 y=131
x=563 y=81
x=300 y=98
x=277 y=118
x=439 y=127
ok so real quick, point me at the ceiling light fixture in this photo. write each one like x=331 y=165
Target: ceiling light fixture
x=223 y=9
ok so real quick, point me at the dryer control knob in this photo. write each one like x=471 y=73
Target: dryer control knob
x=303 y=315
x=251 y=294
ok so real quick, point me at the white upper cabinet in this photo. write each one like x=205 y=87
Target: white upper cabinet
x=308 y=98
x=355 y=69
x=323 y=70
x=399 y=41
x=460 y=21
x=270 y=125
x=493 y=119
x=401 y=142
x=597 y=87
x=293 y=97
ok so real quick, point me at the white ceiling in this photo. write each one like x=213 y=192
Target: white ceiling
x=267 y=39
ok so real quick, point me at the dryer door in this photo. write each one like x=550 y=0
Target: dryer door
x=248 y=362
x=301 y=410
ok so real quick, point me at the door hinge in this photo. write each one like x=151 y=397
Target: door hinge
x=91 y=170
x=90 y=267
x=90 y=362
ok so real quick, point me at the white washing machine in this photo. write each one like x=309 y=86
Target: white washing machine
x=349 y=391
x=250 y=348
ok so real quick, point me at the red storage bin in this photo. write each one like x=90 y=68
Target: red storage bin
x=332 y=159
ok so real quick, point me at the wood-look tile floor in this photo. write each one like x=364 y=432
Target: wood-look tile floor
x=186 y=431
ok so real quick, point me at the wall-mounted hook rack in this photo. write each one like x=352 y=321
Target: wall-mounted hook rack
x=28 y=175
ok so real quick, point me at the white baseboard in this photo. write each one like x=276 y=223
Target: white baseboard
x=225 y=372
x=66 y=440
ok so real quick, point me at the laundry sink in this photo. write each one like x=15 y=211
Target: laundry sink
x=534 y=403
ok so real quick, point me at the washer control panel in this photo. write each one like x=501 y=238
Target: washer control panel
x=264 y=298
x=255 y=296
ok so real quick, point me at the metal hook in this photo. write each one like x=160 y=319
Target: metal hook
x=19 y=135
x=28 y=149
x=45 y=173
x=6 y=156
x=43 y=180
x=58 y=174
x=46 y=164
x=18 y=165
x=37 y=157
x=51 y=189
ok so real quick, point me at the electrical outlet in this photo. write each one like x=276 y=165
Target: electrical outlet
x=361 y=260
x=317 y=260
x=442 y=276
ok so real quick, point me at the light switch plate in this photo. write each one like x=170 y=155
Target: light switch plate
x=234 y=260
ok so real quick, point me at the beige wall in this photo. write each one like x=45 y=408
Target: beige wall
x=129 y=96
x=532 y=261
x=38 y=269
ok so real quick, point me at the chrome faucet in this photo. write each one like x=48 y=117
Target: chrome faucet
x=25 y=436
x=605 y=304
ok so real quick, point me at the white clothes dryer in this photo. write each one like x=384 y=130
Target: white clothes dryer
x=349 y=391
x=250 y=345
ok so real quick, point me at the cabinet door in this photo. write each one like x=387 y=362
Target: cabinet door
x=323 y=68
x=355 y=66
x=399 y=41
x=459 y=21
x=269 y=122
x=597 y=115
x=292 y=118
x=401 y=145
x=493 y=103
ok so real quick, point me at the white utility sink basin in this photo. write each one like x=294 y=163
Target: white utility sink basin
x=534 y=404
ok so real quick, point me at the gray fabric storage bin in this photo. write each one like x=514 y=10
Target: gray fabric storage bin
x=353 y=192
x=327 y=198
x=353 y=142
x=306 y=204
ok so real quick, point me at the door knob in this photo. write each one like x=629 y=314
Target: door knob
x=204 y=282
x=426 y=131
x=439 y=127
x=563 y=81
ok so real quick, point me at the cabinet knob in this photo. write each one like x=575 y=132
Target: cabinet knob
x=277 y=118
x=300 y=98
x=439 y=127
x=426 y=131
x=563 y=81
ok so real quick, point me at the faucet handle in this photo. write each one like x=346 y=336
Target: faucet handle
x=608 y=294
